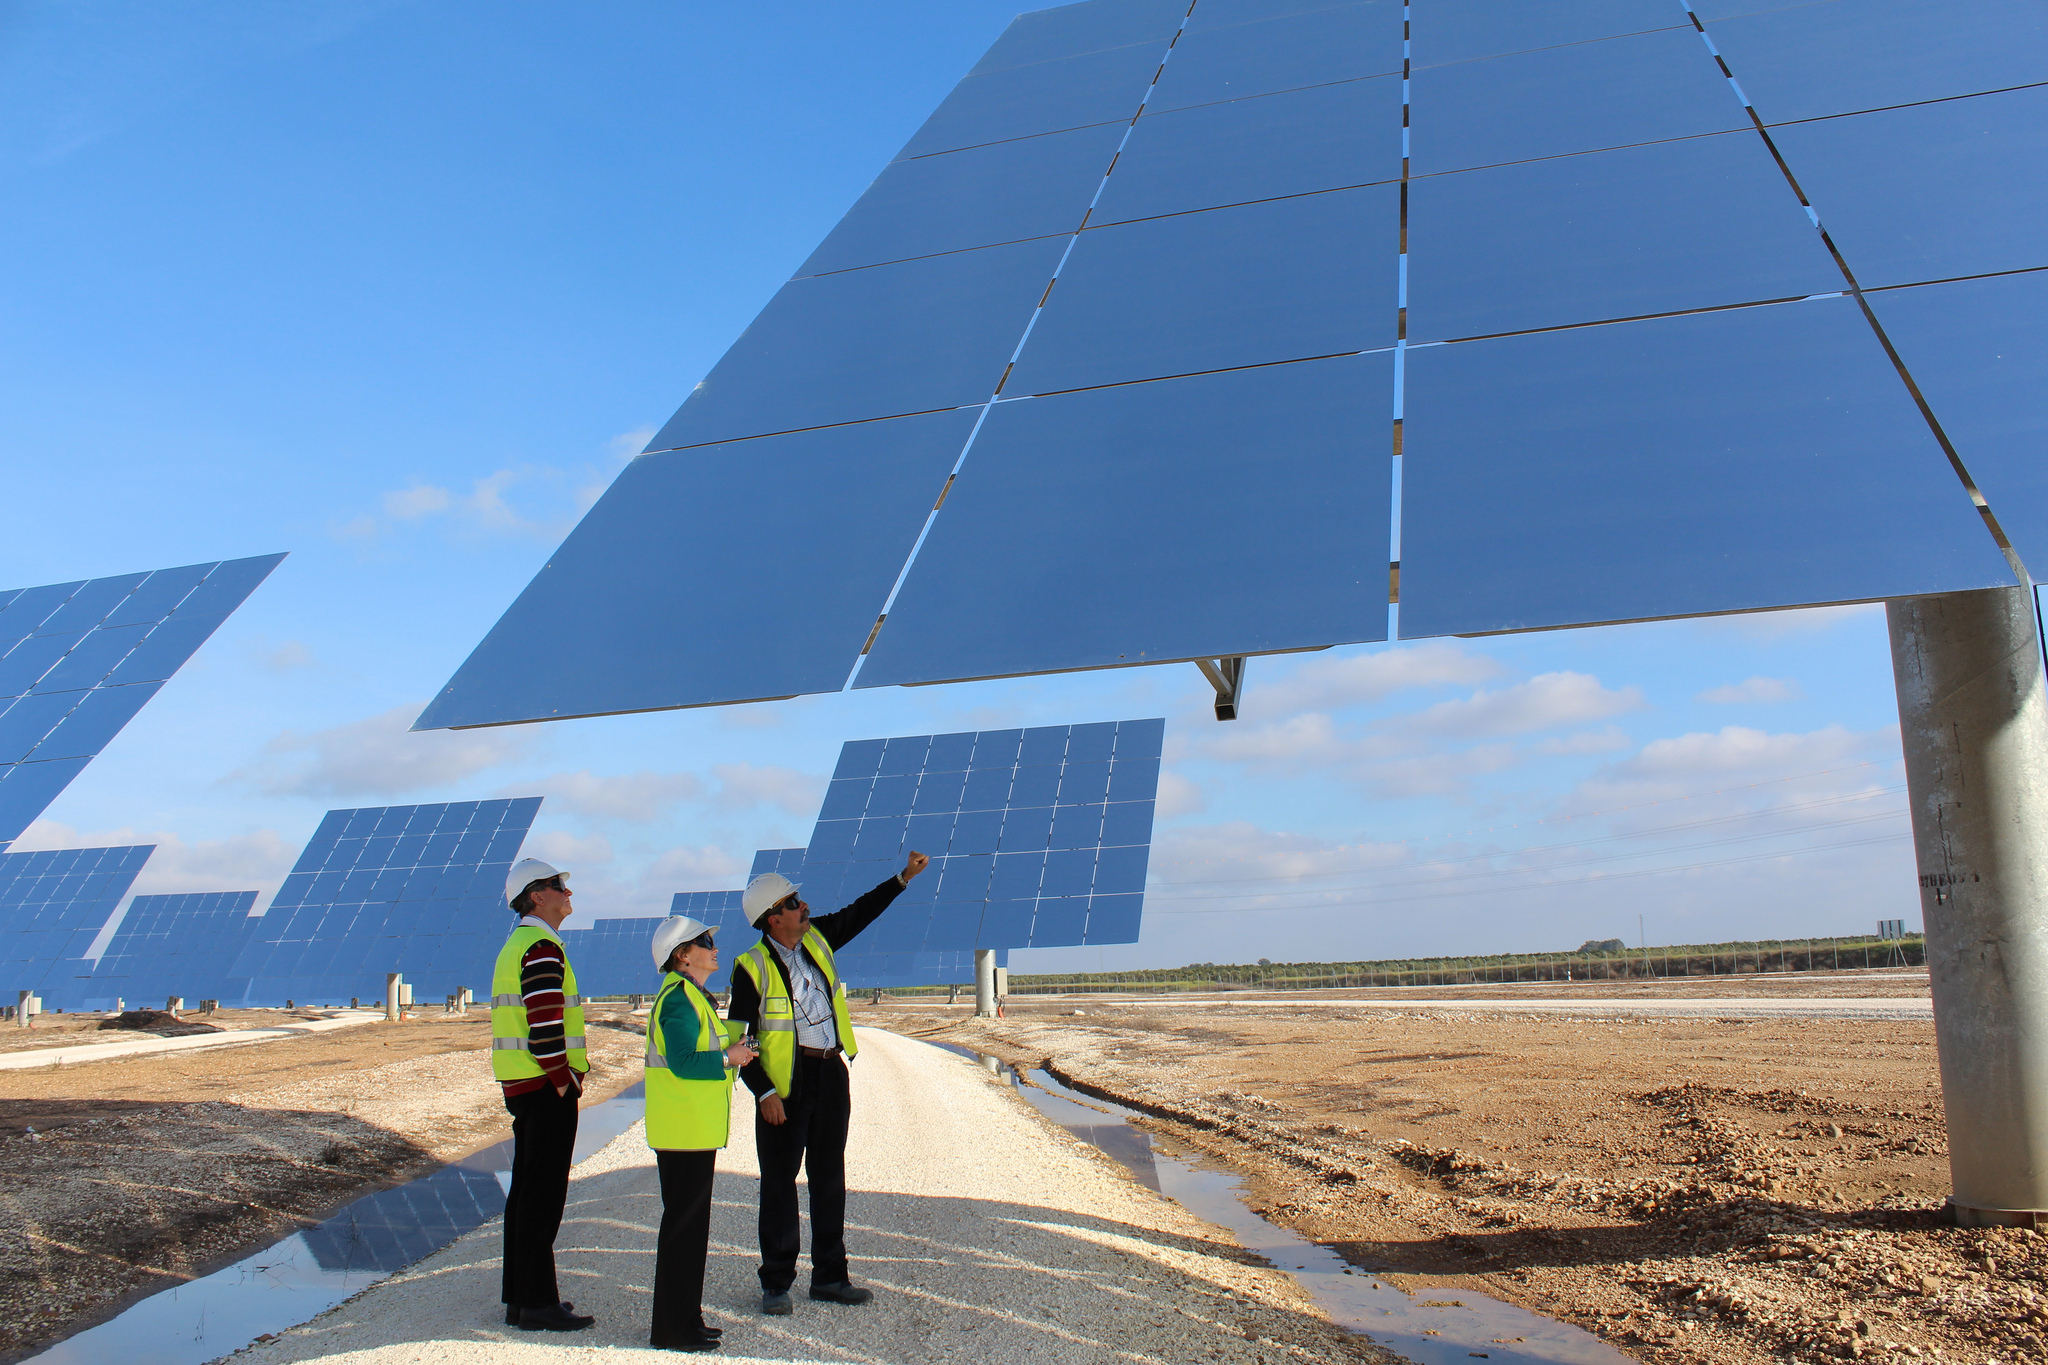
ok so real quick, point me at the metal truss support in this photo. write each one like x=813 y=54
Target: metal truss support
x=1226 y=675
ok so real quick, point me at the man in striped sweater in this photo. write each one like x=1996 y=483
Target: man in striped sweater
x=538 y=1056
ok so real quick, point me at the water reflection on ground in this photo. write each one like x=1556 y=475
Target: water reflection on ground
x=1439 y=1326
x=312 y=1270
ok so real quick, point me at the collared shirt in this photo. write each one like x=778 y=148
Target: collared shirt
x=809 y=1000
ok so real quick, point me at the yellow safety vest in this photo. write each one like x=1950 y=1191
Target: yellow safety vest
x=777 y=1038
x=686 y=1115
x=511 y=1052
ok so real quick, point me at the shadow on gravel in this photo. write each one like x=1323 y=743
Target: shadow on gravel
x=953 y=1279
x=104 y=1201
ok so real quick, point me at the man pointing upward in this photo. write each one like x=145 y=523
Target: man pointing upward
x=788 y=990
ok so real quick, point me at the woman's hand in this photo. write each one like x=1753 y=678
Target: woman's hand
x=740 y=1054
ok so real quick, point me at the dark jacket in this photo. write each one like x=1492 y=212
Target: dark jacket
x=839 y=929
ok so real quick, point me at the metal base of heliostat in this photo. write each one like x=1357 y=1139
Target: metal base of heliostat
x=1973 y=713
x=984 y=983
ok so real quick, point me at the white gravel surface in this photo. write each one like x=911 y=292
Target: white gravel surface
x=986 y=1233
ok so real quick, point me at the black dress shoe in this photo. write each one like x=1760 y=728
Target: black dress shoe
x=555 y=1319
x=512 y=1312
x=713 y=1332
x=844 y=1292
x=689 y=1341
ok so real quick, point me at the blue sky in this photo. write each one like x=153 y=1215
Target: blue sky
x=399 y=287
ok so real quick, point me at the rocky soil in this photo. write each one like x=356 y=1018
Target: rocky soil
x=1691 y=1190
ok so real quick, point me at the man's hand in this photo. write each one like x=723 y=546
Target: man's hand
x=914 y=864
x=771 y=1108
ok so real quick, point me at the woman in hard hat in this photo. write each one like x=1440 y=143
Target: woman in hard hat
x=690 y=1066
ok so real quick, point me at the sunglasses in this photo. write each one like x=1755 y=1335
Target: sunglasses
x=704 y=941
x=786 y=903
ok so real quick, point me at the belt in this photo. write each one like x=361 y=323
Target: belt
x=832 y=1051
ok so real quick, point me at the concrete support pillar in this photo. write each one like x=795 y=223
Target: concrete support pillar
x=391 y=982
x=1973 y=712
x=24 y=1008
x=984 y=983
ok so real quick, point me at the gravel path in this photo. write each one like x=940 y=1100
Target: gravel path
x=986 y=1234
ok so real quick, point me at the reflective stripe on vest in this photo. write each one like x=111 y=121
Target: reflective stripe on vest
x=776 y=1032
x=686 y=1115
x=511 y=1046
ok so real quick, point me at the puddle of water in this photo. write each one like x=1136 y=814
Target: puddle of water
x=310 y=1271
x=1440 y=1326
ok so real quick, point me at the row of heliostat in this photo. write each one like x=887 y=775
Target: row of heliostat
x=419 y=889
x=1119 y=360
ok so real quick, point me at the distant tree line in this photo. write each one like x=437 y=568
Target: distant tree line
x=1595 y=960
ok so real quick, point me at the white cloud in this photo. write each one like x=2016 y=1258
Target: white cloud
x=1687 y=765
x=287 y=656
x=1603 y=741
x=380 y=756
x=1236 y=853
x=696 y=869
x=420 y=500
x=621 y=796
x=1179 y=796
x=1328 y=684
x=744 y=785
x=1436 y=773
x=1757 y=691
x=1283 y=745
x=1545 y=702
x=567 y=850
x=601 y=893
x=502 y=502
x=363 y=527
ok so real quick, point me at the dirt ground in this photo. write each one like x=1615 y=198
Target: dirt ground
x=120 y=1177
x=1690 y=1189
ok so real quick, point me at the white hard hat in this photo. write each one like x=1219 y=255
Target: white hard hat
x=526 y=873
x=671 y=934
x=762 y=893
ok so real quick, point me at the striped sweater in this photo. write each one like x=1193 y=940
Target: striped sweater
x=541 y=975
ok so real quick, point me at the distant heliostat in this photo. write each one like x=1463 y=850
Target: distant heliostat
x=412 y=889
x=616 y=956
x=52 y=906
x=1038 y=838
x=78 y=660
x=1191 y=331
x=172 y=945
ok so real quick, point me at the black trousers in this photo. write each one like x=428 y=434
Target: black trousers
x=543 y=1142
x=812 y=1135
x=679 y=1251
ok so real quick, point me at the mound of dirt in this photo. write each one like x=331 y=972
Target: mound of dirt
x=162 y=1023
